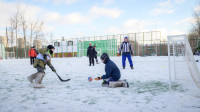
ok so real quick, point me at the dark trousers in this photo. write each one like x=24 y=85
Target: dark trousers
x=91 y=60
x=40 y=69
x=96 y=58
x=32 y=60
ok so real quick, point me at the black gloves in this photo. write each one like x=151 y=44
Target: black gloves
x=45 y=56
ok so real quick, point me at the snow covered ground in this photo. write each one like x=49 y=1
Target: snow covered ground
x=148 y=90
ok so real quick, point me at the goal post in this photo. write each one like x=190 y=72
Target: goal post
x=179 y=48
x=10 y=55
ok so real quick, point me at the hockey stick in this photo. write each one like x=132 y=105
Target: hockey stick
x=61 y=79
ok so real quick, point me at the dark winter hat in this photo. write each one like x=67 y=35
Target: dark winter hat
x=50 y=47
x=125 y=37
x=105 y=57
x=33 y=47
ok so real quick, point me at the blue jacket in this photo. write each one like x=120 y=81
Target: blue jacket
x=111 y=71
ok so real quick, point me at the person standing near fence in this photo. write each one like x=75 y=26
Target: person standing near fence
x=91 y=54
x=95 y=55
x=32 y=54
x=127 y=50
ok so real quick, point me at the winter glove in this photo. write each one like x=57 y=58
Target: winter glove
x=98 y=78
x=54 y=70
x=45 y=56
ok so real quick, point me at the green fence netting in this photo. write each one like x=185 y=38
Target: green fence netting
x=109 y=46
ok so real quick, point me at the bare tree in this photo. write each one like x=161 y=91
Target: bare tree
x=33 y=25
x=194 y=35
x=7 y=36
x=11 y=29
x=24 y=26
x=19 y=23
x=38 y=32
x=16 y=19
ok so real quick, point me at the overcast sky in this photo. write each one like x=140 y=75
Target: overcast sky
x=80 y=18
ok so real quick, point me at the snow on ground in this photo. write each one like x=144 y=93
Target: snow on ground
x=148 y=90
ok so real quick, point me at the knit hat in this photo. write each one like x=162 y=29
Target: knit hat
x=50 y=47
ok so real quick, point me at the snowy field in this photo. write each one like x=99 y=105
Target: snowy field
x=148 y=90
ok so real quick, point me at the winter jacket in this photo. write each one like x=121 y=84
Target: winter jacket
x=32 y=53
x=91 y=51
x=126 y=47
x=111 y=70
x=43 y=58
x=95 y=54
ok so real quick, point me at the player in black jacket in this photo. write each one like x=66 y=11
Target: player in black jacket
x=95 y=56
x=91 y=54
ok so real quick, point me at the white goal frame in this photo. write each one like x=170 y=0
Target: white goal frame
x=191 y=63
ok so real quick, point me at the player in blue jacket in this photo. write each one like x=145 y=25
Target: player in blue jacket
x=111 y=69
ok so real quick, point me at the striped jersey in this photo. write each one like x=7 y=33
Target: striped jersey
x=126 y=47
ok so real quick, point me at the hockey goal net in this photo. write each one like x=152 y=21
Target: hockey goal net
x=181 y=56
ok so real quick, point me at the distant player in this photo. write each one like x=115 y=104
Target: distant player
x=91 y=54
x=127 y=50
x=95 y=55
x=43 y=58
x=32 y=54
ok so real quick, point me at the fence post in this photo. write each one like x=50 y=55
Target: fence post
x=160 y=45
x=66 y=49
x=17 y=51
x=135 y=45
x=5 y=51
x=22 y=55
x=2 y=51
x=57 y=49
x=151 y=44
x=143 y=43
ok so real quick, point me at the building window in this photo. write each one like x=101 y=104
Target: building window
x=70 y=43
x=57 y=44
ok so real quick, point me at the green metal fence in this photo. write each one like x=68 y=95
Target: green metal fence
x=109 y=46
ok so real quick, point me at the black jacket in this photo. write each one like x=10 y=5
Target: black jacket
x=91 y=51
